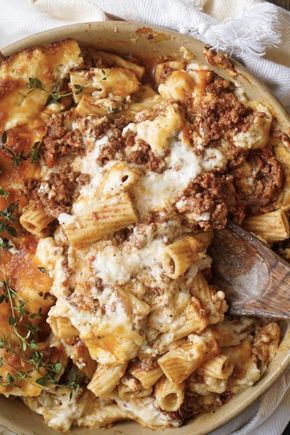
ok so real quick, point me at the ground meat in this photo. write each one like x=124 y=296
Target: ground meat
x=195 y=404
x=220 y=60
x=144 y=365
x=258 y=180
x=98 y=283
x=145 y=156
x=83 y=179
x=119 y=148
x=153 y=295
x=121 y=236
x=218 y=85
x=60 y=141
x=93 y=126
x=31 y=185
x=85 y=302
x=57 y=193
x=115 y=148
x=204 y=202
x=216 y=115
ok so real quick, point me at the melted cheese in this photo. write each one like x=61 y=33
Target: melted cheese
x=115 y=313
x=59 y=409
x=257 y=134
x=52 y=258
x=156 y=191
x=117 y=266
x=158 y=132
x=50 y=65
x=213 y=159
x=103 y=82
x=178 y=86
x=144 y=411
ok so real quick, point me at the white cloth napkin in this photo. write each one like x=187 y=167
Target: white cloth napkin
x=253 y=30
x=243 y=27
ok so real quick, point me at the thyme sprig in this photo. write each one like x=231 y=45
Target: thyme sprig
x=9 y=295
x=26 y=340
x=17 y=158
x=55 y=96
x=35 y=152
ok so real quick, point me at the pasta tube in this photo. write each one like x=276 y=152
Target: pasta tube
x=169 y=396
x=119 y=178
x=180 y=255
x=62 y=327
x=179 y=363
x=106 y=378
x=220 y=367
x=272 y=227
x=147 y=377
x=111 y=215
x=35 y=220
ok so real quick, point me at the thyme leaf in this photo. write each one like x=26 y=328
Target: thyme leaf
x=105 y=75
x=56 y=95
x=78 y=89
x=35 y=83
x=5 y=243
x=35 y=152
x=8 y=213
x=4 y=193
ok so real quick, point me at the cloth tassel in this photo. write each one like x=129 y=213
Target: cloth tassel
x=252 y=33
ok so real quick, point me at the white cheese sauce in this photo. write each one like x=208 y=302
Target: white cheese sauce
x=117 y=266
x=156 y=191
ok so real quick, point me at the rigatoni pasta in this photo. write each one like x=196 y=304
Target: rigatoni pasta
x=179 y=255
x=146 y=376
x=272 y=226
x=220 y=367
x=169 y=396
x=213 y=302
x=180 y=362
x=109 y=216
x=62 y=327
x=35 y=220
x=105 y=379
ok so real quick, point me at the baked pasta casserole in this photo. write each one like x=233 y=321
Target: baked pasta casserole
x=114 y=174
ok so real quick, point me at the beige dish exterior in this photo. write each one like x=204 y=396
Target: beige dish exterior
x=132 y=38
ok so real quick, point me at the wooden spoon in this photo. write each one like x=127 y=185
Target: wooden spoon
x=255 y=280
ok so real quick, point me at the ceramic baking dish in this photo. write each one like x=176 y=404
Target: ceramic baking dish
x=147 y=43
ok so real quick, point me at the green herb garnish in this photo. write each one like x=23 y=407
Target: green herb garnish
x=35 y=152
x=4 y=193
x=55 y=96
x=6 y=217
x=35 y=83
x=16 y=158
x=5 y=243
x=105 y=75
